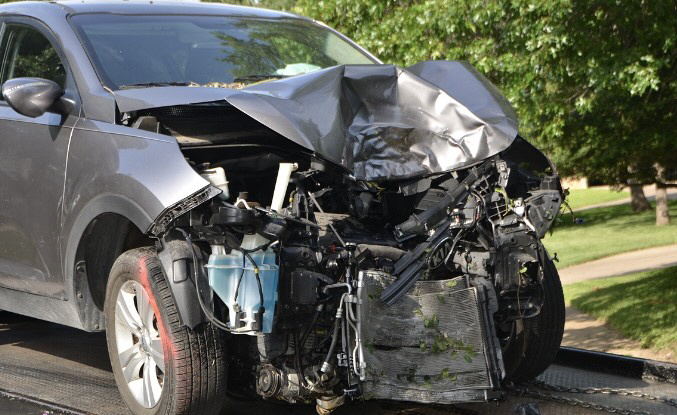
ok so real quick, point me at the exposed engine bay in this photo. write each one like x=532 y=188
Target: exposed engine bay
x=337 y=286
x=352 y=289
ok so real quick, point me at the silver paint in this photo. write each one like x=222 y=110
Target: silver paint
x=380 y=122
x=58 y=174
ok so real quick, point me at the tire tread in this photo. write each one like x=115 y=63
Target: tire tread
x=543 y=333
x=199 y=353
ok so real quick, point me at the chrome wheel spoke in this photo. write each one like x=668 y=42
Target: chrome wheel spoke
x=146 y=312
x=131 y=370
x=140 y=349
x=157 y=354
x=151 y=386
x=126 y=313
x=127 y=356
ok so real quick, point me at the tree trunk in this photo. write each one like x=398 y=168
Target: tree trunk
x=637 y=199
x=662 y=213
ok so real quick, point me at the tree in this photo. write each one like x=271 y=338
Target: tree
x=638 y=200
x=594 y=81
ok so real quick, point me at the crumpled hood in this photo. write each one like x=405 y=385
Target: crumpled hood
x=381 y=122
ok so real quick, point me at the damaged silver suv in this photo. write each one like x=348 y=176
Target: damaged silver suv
x=248 y=202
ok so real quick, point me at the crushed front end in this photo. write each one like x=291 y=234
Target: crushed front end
x=366 y=268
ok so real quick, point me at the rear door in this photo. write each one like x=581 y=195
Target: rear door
x=33 y=154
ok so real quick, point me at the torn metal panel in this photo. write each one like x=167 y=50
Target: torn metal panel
x=166 y=96
x=431 y=348
x=380 y=122
x=165 y=218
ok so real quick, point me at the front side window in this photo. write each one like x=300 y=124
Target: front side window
x=27 y=53
x=133 y=51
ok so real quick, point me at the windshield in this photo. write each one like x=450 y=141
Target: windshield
x=150 y=50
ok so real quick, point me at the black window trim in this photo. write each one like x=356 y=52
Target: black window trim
x=40 y=26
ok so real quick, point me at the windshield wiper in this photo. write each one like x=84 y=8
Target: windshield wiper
x=258 y=77
x=150 y=84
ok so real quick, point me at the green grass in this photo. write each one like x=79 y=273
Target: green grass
x=642 y=306
x=608 y=231
x=579 y=198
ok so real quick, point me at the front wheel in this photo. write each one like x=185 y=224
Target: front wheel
x=533 y=343
x=160 y=367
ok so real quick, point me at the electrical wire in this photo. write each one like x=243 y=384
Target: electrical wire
x=297 y=359
x=256 y=272
x=210 y=316
x=245 y=255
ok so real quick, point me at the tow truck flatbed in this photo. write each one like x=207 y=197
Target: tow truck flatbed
x=63 y=370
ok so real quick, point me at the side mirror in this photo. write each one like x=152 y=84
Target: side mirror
x=33 y=97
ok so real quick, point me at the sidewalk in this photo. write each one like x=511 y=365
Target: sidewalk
x=621 y=264
x=586 y=332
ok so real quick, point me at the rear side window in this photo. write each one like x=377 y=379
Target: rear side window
x=28 y=53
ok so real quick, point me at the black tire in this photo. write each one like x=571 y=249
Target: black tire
x=535 y=348
x=193 y=378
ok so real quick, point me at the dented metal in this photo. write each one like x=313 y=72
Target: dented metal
x=376 y=229
x=380 y=122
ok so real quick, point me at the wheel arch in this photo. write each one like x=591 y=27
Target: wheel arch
x=109 y=225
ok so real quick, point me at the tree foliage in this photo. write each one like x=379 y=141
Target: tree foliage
x=594 y=81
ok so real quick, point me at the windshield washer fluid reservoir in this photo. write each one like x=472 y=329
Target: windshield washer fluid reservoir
x=225 y=270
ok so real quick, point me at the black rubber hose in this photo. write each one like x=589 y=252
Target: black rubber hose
x=310 y=327
x=239 y=280
x=381 y=251
x=297 y=358
x=334 y=340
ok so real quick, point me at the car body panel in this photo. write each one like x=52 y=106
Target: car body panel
x=31 y=176
x=34 y=153
x=117 y=169
x=380 y=122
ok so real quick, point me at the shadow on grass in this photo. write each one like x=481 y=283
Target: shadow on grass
x=642 y=307
x=620 y=216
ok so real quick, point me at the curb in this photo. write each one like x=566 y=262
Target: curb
x=617 y=364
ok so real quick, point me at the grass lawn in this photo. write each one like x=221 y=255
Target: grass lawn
x=586 y=197
x=607 y=231
x=641 y=306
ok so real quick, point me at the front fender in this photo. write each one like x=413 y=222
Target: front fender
x=138 y=175
x=100 y=205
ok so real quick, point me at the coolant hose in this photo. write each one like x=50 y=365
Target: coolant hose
x=318 y=309
x=381 y=251
x=330 y=354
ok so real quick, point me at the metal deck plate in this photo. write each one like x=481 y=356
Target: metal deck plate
x=69 y=369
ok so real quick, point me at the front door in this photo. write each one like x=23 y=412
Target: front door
x=33 y=154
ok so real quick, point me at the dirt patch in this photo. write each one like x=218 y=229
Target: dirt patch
x=585 y=332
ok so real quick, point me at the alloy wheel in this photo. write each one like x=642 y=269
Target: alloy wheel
x=139 y=346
